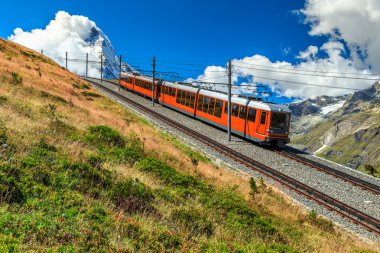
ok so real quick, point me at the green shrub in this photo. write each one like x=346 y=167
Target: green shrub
x=10 y=187
x=192 y=220
x=91 y=94
x=3 y=100
x=95 y=161
x=3 y=133
x=16 y=78
x=85 y=178
x=104 y=135
x=167 y=173
x=132 y=196
x=253 y=186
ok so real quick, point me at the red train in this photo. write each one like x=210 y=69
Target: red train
x=266 y=123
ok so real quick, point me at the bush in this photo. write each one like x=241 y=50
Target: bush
x=104 y=135
x=3 y=134
x=253 y=186
x=16 y=78
x=167 y=173
x=3 y=100
x=91 y=94
x=10 y=186
x=132 y=196
x=193 y=220
x=85 y=178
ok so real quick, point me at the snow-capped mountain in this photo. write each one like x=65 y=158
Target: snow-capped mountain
x=77 y=36
x=101 y=44
x=309 y=112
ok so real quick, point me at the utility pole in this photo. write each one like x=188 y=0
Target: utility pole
x=66 y=60
x=229 y=99
x=101 y=68
x=86 y=65
x=119 y=72
x=154 y=78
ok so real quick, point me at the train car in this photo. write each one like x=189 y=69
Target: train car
x=255 y=120
x=140 y=84
x=179 y=97
x=127 y=81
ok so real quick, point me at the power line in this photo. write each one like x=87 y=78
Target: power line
x=305 y=74
x=310 y=71
x=307 y=84
x=185 y=64
x=197 y=70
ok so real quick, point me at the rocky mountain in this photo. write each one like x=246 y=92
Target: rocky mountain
x=309 y=112
x=343 y=129
x=100 y=43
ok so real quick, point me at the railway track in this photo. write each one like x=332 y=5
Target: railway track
x=356 y=216
x=326 y=169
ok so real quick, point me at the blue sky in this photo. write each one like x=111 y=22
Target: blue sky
x=194 y=31
x=207 y=30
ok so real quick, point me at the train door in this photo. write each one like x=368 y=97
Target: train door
x=251 y=124
x=263 y=119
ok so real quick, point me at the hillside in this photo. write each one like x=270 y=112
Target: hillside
x=349 y=135
x=78 y=172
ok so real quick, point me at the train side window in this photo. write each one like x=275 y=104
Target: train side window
x=218 y=108
x=192 y=98
x=183 y=97
x=235 y=110
x=184 y=93
x=243 y=112
x=188 y=95
x=169 y=91
x=226 y=107
x=178 y=96
x=206 y=104
x=252 y=115
x=200 y=103
x=211 y=107
x=173 y=91
x=263 y=118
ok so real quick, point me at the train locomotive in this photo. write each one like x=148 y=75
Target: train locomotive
x=252 y=119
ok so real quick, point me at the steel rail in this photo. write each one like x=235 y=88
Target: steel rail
x=326 y=169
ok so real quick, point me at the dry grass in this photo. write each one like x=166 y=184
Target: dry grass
x=26 y=115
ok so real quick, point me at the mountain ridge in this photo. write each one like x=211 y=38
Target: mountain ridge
x=349 y=135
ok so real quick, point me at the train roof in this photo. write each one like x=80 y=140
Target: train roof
x=182 y=86
x=142 y=77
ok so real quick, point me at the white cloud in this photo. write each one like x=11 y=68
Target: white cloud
x=353 y=23
x=66 y=33
x=264 y=71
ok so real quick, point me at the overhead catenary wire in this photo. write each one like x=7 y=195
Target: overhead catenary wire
x=307 y=84
x=306 y=74
x=310 y=71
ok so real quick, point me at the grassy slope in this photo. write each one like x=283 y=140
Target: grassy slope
x=79 y=172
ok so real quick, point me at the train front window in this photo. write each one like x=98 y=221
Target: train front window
x=280 y=121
